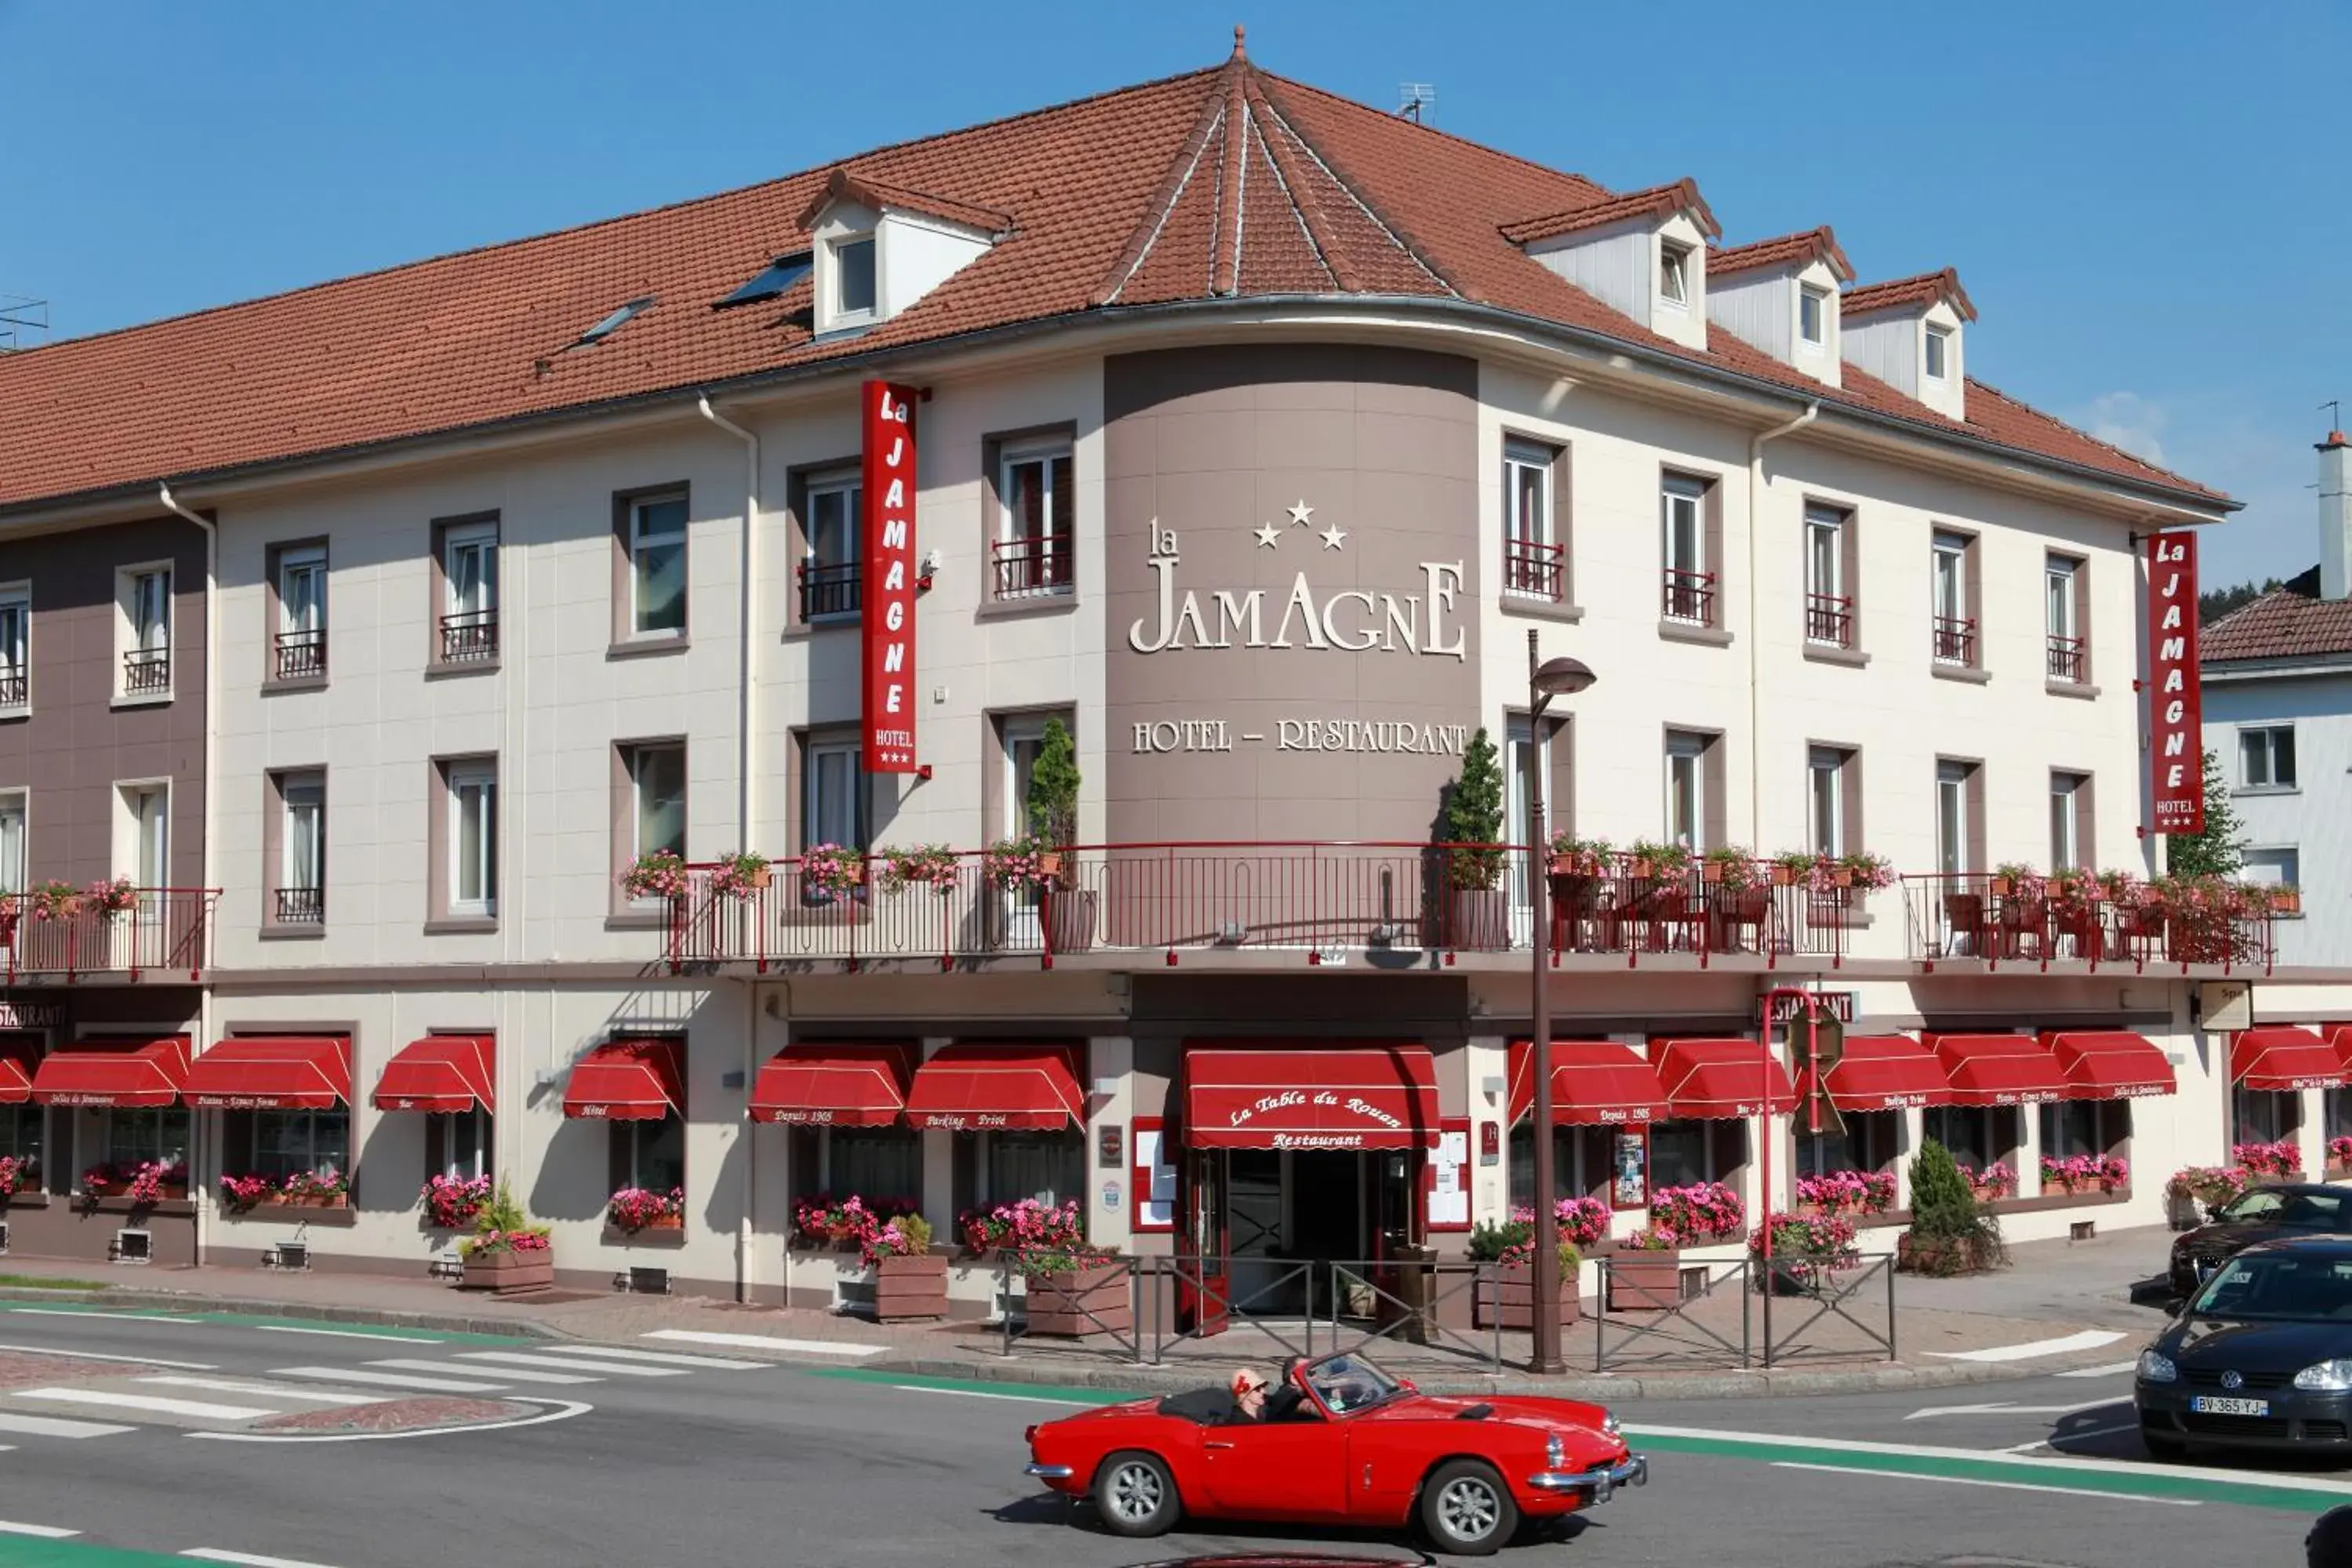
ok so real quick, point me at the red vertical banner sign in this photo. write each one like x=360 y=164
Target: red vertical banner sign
x=887 y=419
x=2176 y=743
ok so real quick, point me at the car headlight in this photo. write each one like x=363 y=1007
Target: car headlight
x=1555 y=1452
x=2327 y=1378
x=1608 y=1423
x=2155 y=1367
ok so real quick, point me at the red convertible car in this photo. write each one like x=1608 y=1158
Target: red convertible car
x=1341 y=1442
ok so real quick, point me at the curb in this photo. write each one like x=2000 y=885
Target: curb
x=366 y=1317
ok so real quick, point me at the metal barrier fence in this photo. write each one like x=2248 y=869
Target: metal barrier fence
x=1662 y=1315
x=69 y=934
x=1992 y=917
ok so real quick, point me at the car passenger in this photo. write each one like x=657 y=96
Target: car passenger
x=1249 y=1395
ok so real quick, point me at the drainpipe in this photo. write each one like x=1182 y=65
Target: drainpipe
x=205 y=879
x=1755 y=484
x=743 y=759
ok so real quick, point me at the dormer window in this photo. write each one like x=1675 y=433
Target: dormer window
x=1939 y=351
x=1673 y=273
x=852 y=271
x=1812 y=316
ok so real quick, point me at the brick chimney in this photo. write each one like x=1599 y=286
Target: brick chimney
x=2336 y=516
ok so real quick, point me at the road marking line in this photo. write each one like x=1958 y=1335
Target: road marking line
x=156 y=1402
x=45 y=1532
x=231 y=1386
x=664 y=1358
x=557 y=1363
x=2052 y=1443
x=55 y=1426
x=765 y=1343
x=2005 y=1486
x=507 y=1373
x=563 y=1410
x=214 y=1554
x=386 y=1379
x=348 y=1334
x=2034 y=1350
x=976 y=1394
x=2007 y=1409
x=2113 y=1369
x=127 y=1359
x=181 y=1319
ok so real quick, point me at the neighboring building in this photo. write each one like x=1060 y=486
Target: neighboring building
x=1258 y=430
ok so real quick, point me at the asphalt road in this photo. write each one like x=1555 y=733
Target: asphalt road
x=703 y=1462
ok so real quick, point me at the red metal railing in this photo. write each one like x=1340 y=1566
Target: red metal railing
x=1689 y=596
x=2067 y=658
x=2000 y=919
x=1038 y=563
x=1954 y=641
x=1319 y=898
x=166 y=929
x=1534 y=568
x=1829 y=620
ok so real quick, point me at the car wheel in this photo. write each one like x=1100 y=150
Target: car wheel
x=1135 y=1495
x=2166 y=1450
x=1467 y=1508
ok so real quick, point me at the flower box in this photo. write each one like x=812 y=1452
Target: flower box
x=1647 y=1279
x=318 y=1200
x=1505 y=1299
x=508 y=1273
x=1094 y=1299
x=911 y=1286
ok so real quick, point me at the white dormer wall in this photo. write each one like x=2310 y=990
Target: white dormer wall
x=914 y=253
x=1686 y=323
x=1893 y=346
x=1761 y=307
x=1618 y=265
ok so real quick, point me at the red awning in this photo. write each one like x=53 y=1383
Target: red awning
x=134 y=1076
x=2339 y=1038
x=1880 y=1072
x=272 y=1072
x=2110 y=1064
x=1720 y=1080
x=2280 y=1057
x=1007 y=1088
x=849 y=1083
x=1293 y=1097
x=1999 y=1070
x=626 y=1080
x=19 y=1059
x=448 y=1073
x=1592 y=1082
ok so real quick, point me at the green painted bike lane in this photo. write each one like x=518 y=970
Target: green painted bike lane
x=395 y=1331
x=2292 y=1493
x=24 y=1552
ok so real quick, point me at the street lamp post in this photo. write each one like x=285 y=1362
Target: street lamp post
x=1553 y=677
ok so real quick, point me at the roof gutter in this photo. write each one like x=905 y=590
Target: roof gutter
x=1756 y=485
x=205 y=881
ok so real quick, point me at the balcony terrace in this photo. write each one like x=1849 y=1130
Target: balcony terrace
x=57 y=932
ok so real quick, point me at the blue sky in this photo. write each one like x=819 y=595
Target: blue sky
x=2141 y=198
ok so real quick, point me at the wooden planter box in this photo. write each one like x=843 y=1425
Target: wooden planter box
x=1506 y=1300
x=331 y=1201
x=508 y=1273
x=1939 y=1256
x=1097 y=1299
x=1644 y=1281
x=915 y=1286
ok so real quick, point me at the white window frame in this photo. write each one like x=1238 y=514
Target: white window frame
x=475 y=783
x=1947 y=585
x=133 y=635
x=1683 y=499
x=850 y=487
x=2280 y=865
x=641 y=538
x=1819 y=298
x=2066 y=821
x=2266 y=737
x=299 y=797
x=16 y=824
x=481 y=1138
x=17 y=639
x=1952 y=856
x=482 y=538
x=1825 y=559
x=1825 y=799
x=818 y=758
x=1686 y=777
x=639 y=756
x=1936 y=354
x=844 y=313
x=1531 y=523
x=1043 y=453
x=2058 y=595
x=1674 y=275
x=293 y=564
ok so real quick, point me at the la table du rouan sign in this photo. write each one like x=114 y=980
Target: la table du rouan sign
x=888 y=625
x=2174 y=707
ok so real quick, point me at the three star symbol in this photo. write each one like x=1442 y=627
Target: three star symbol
x=1268 y=535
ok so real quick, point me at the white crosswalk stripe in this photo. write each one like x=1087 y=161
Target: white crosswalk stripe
x=45 y=1532
x=505 y=1375
x=558 y=1364
x=388 y=1379
x=662 y=1358
x=159 y=1405
x=54 y=1427
x=272 y=1390
x=765 y=1343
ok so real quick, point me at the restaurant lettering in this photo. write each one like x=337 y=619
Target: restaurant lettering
x=887 y=624
x=1376 y=736
x=1354 y=1105
x=957 y=1122
x=1349 y=620
x=2175 y=703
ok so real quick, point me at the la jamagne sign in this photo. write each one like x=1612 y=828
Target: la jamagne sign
x=2175 y=705
x=888 y=620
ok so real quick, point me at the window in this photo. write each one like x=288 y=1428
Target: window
x=876 y=1163
x=302 y=849
x=2059 y=607
x=1532 y=559
x=20 y=1140
x=1812 y=316
x=2337 y=1105
x=469 y=607
x=297 y=1142
x=2265 y=1116
x=830 y=575
x=12 y=842
x=610 y=324
x=147 y=609
x=1684 y=1152
x=2076 y=1127
x=1939 y=346
x=1829 y=611
x=1035 y=527
x=474 y=839
x=1674 y=272
x=772 y=280
x=2275 y=867
x=834 y=803
x=1689 y=586
x=649 y=1154
x=15 y=647
x=299 y=651
x=2070 y=803
x=1956 y=805
x=2266 y=758
x=1953 y=629
x=149 y=810
x=657 y=567
x=1686 y=789
x=657 y=799
x=146 y=1137
x=1050 y=1167
x=1580 y=1162
x=853 y=262
x=1873 y=1141
x=459 y=1145
x=1825 y=798
x=1978 y=1136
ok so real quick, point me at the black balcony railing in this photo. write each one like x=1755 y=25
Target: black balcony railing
x=1953 y=640
x=16 y=689
x=1689 y=596
x=1029 y=566
x=302 y=906
x=831 y=590
x=302 y=654
x=2066 y=659
x=1829 y=620
x=470 y=637
x=1533 y=568
x=146 y=670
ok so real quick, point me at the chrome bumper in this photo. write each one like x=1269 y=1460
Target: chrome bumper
x=1048 y=1472
x=1601 y=1483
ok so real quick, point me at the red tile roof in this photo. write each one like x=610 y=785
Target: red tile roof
x=2290 y=622
x=1657 y=202
x=1786 y=250
x=1222 y=183
x=1921 y=292
x=849 y=184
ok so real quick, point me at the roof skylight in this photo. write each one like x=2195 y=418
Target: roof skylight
x=778 y=276
x=611 y=323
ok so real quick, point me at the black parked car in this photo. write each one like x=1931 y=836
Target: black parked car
x=2259 y=1214
x=2260 y=1358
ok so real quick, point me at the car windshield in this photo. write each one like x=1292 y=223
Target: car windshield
x=2279 y=1285
x=2316 y=1211
x=1345 y=1383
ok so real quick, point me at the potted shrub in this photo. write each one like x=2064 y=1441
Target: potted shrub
x=1805 y=1248
x=54 y=901
x=1700 y=1213
x=1950 y=1232
x=1731 y=864
x=1865 y=871
x=633 y=1209
x=1506 y=1295
x=1657 y=862
x=326 y=1188
x=910 y=1280
x=1801 y=868
x=507 y=1253
x=739 y=875
x=2015 y=878
x=1471 y=826
x=932 y=865
x=828 y=871
x=1073 y=1290
x=118 y=896
x=451 y=1203
x=1645 y=1272
x=1994 y=1182
x=1050 y=811
x=656 y=874
x=1579 y=858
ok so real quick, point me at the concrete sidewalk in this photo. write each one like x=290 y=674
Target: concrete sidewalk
x=1948 y=1333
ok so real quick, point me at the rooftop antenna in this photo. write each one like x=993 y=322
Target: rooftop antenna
x=1420 y=97
x=2334 y=407
x=19 y=314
